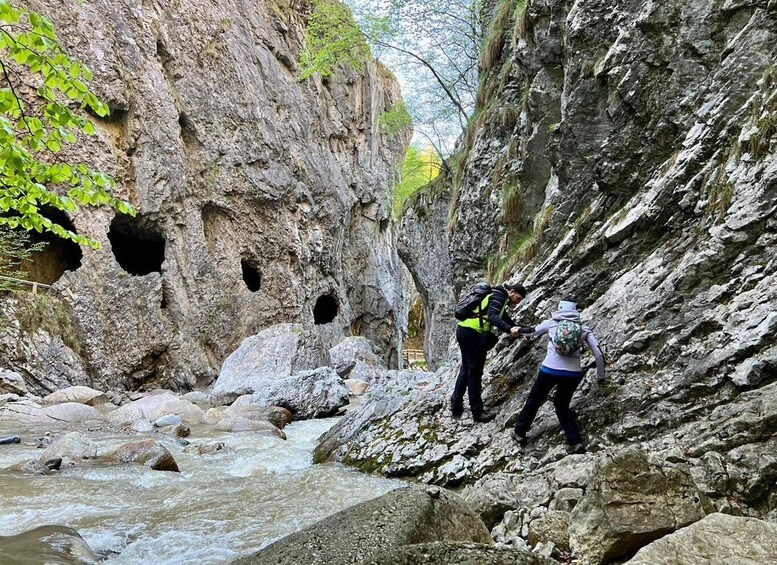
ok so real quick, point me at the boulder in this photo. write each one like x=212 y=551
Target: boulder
x=197 y=397
x=124 y=415
x=148 y=452
x=23 y=412
x=716 y=538
x=73 y=413
x=155 y=406
x=71 y=447
x=50 y=544
x=178 y=430
x=361 y=533
x=631 y=501
x=284 y=413
x=279 y=351
x=356 y=387
x=42 y=466
x=80 y=394
x=310 y=394
x=276 y=415
x=242 y=400
x=142 y=426
x=552 y=527
x=12 y=382
x=241 y=424
x=213 y=415
x=8 y=397
x=168 y=420
x=354 y=358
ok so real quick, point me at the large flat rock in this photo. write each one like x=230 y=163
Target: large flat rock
x=358 y=534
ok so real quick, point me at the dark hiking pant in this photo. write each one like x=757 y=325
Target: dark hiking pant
x=474 y=347
x=539 y=392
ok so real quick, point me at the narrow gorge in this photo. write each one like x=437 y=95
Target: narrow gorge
x=620 y=152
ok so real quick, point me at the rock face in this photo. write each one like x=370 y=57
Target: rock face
x=363 y=532
x=625 y=154
x=261 y=199
x=423 y=246
x=43 y=352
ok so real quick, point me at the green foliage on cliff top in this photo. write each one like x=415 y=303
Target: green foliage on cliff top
x=396 y=120
x=333 y=39
x=420 y=168
x=41 y=90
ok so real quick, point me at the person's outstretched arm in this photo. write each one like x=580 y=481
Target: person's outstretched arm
x=534 y=331
x=596 y=349
x=495 y=314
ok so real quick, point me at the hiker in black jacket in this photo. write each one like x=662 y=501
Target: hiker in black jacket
x=476 y=338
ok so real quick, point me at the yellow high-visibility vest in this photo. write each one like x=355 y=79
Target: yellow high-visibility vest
x=480 y=321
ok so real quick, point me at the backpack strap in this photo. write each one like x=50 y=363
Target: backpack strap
x=483 y=308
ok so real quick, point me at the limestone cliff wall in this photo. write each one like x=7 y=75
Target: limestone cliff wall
x=267 y=196
x=624 y=153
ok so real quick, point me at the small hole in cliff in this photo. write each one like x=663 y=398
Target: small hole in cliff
x=57 y=256
x=188 y=131
x=384 y=224
x=138 y=247
x=251 y=276
x=325 y=309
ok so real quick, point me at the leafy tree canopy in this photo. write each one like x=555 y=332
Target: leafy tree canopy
x=432 y=44
x=41 y=92
x=332 y=38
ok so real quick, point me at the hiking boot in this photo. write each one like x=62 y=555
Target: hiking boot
x=519 y=437
x=484 y=417
x=578 y=448
x=456 y=411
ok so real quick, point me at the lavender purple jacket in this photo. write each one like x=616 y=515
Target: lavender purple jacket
x=554 y=360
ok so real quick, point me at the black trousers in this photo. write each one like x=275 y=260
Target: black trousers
x=474 y=347
x=539 y=392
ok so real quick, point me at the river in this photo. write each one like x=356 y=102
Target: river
x=221 y=506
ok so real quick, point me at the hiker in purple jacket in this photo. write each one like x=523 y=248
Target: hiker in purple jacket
x=560 y=368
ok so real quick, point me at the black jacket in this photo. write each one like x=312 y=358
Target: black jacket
x=498 y=299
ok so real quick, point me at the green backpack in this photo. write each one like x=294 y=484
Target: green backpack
x=568 y=338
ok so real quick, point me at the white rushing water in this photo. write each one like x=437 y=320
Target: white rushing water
x=220 y=506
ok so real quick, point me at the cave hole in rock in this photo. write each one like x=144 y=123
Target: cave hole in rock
x=188 y=131
x=251 y=276
x=139 y=248
x=56 y=256
x=325 y=309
